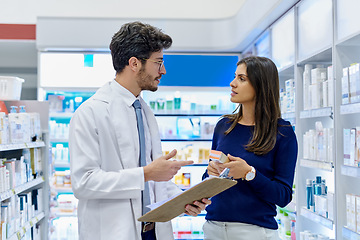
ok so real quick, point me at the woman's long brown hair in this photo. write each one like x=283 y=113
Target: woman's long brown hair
x=263 y=76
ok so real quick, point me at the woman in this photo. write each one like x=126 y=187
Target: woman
x=262 y=150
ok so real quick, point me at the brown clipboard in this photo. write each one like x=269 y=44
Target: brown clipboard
x=176 y=206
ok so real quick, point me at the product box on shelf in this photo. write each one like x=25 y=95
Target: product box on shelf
x=357 y=204
x=345 y=86
x=10 y=87
x=351 y=212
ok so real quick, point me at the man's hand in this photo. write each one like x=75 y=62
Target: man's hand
x=163 y=169
x=196 y=207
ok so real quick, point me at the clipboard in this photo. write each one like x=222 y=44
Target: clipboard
x=176 y=206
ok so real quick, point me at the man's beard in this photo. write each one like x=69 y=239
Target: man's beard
x=146 y=82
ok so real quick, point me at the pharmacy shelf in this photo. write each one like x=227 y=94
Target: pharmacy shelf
x=349 y=234
x=350 y=108
x=328 y=166
x=350 y=171
x=64 y=214
x=16 y=146
x=61 y=164
x=189 y=238
x=317 y=218
x=19 y=189
x=61 y=114
x=186 y=140
x=289 y=115
x=320 y=112
x=63 y=189
x=28 y=225
x=63 y=140
x=185 y=113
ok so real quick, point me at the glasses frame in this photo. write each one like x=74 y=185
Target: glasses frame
x=160 y=62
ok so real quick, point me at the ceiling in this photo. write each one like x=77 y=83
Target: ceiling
x=196 y=25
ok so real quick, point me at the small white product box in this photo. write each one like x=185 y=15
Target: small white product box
x=10 y=88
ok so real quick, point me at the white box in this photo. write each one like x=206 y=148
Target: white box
x=357 y=148
x=352 y=83
x=10 y=88
x=330 y=72
x=306 y=86
x=352 y=146
x=325 y=92
x=318 y=75
x=345 y=86
x=330 y=205
x=331 y=92
x=347 y=150
x=350 y=212
x=357 y=202
x=357 y=82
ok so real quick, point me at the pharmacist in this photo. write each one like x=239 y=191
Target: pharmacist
x=108 y=137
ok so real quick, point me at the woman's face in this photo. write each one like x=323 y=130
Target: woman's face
x=241 y=89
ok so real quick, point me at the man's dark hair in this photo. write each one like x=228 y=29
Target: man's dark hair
x=136 y=39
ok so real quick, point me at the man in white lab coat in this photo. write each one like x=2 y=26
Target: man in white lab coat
x=104 y=145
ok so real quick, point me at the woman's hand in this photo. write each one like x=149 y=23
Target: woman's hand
x=237 y=166
x=215 y=168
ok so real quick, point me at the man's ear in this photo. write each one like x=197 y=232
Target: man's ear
x=134 y=64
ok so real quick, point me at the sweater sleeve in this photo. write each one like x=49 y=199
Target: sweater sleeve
x=278 y=190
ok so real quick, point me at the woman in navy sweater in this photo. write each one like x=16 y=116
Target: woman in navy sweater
x=262 y=149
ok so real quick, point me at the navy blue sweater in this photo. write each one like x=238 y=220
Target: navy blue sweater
x=255 y=201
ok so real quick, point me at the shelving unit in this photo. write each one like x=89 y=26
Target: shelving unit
x=61 y=218
x=310 y=215
x=28 y=225
x=19 y=189
x=347 y=52
x=349 y=234
x=65 y=92
x=328 y=166
x=324 y=34
x=39 y=182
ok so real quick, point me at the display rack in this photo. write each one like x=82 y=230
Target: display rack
x=63 y=217
x=337 y=44
x=40 y=180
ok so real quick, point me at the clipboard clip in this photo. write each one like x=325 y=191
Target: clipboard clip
x=224 y=174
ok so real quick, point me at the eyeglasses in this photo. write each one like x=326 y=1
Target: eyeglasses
x=161 y=62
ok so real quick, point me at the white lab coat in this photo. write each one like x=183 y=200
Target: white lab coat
x=104 y=169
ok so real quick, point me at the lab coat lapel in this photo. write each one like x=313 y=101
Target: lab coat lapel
x=125 y=134
x=125 y=130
